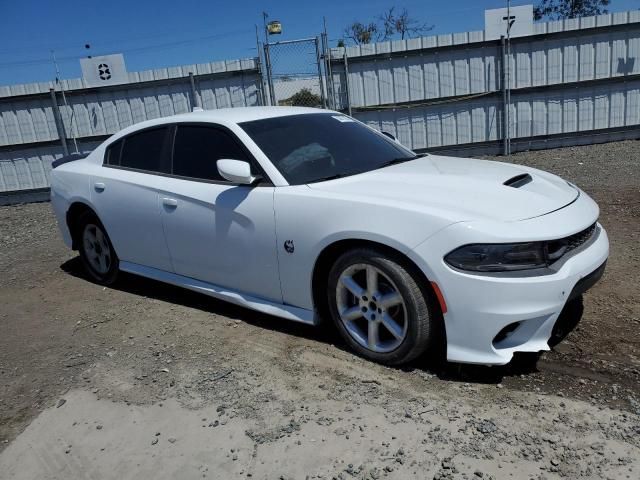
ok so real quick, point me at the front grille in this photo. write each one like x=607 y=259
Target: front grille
x=562 y=246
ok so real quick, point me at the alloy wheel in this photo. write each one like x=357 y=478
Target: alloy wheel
x=371 y=308
x=96 y=248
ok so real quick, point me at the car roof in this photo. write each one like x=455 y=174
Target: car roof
x=224 y=116
x=244 y=114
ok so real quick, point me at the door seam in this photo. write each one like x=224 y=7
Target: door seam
x=277 y=242
x=164 y=232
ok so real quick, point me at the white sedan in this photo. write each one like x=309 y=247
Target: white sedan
x=307 y=214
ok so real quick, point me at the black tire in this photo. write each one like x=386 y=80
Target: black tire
x=420 y=313
x=89 y=220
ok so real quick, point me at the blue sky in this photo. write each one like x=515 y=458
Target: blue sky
x=161 y=33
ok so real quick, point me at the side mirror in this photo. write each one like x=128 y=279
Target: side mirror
x=236 y=171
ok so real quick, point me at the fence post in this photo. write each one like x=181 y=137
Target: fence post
x=346 y=80
x=267 y=61
x=505 y=103
x=260 y=86
x=194 y=93
x=262 y=93
x=262 y=99
x=322 y=95
x=328 y=74
x=58 y=119
x=323 y=59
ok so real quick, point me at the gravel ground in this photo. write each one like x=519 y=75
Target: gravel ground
x=148 y=380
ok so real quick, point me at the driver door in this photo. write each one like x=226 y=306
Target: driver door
x=216 y=231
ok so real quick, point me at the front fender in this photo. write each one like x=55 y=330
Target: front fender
x=308 y=221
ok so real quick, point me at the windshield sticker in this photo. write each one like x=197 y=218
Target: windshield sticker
x=342 y=118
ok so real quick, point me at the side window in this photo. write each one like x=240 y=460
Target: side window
x=112 y=155
x=197 y=148
x=146 y=151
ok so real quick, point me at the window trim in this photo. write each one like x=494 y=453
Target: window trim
x=107 y=152
x=164 y=154
x=172 y=130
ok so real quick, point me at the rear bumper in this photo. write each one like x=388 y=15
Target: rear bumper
x=489 y=318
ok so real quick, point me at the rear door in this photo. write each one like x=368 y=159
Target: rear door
x=217 y=231
x=125 y=195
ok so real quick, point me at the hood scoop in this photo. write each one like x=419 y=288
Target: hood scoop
x=519 y=180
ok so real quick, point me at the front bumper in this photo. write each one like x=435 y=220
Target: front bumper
x=489 y=318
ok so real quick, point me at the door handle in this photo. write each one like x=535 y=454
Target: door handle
x=170 y=202
x=98 y=187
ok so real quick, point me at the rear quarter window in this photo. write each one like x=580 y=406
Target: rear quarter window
x=112 y=155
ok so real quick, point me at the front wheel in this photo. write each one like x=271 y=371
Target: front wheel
x=96 y=251
x=378 y=306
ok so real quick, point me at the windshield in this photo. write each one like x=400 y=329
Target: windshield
x=319 y=146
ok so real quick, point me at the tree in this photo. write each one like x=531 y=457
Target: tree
x=302 y=98
x=359 y=33
x=560 y=9
x=391 y=24
x=401 y=24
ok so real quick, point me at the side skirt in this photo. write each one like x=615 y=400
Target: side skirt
x=254 y=303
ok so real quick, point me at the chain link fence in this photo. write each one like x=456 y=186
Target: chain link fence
x=294 y=73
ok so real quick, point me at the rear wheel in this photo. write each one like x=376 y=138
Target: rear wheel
x=379 y=308
x=96 y=251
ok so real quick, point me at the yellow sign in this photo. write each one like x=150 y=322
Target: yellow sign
x=274 y=28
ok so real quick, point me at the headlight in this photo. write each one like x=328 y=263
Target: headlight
x=499 y=257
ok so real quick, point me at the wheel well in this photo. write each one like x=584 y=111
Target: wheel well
x=76 y=210
x=330 y=254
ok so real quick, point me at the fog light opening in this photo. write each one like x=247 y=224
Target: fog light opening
x=505 y=333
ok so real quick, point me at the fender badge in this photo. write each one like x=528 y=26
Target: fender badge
x=288 y=246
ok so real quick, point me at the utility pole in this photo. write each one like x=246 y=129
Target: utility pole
x=267 y=60
x=265 y=15
x=64 y=100
x=261 y=69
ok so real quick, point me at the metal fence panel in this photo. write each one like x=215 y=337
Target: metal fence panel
x=30 y=168
x=448 y=86
x=28 y=132
x=574 y=56
x=534 y=114
x=571 y=77
x=104 y=111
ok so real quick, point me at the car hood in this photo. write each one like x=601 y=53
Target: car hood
x=466 y=189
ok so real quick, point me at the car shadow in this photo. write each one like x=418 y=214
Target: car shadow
x=146 y=287
x=522 y=363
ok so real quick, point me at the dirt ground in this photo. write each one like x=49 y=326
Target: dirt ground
x=145 y=380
